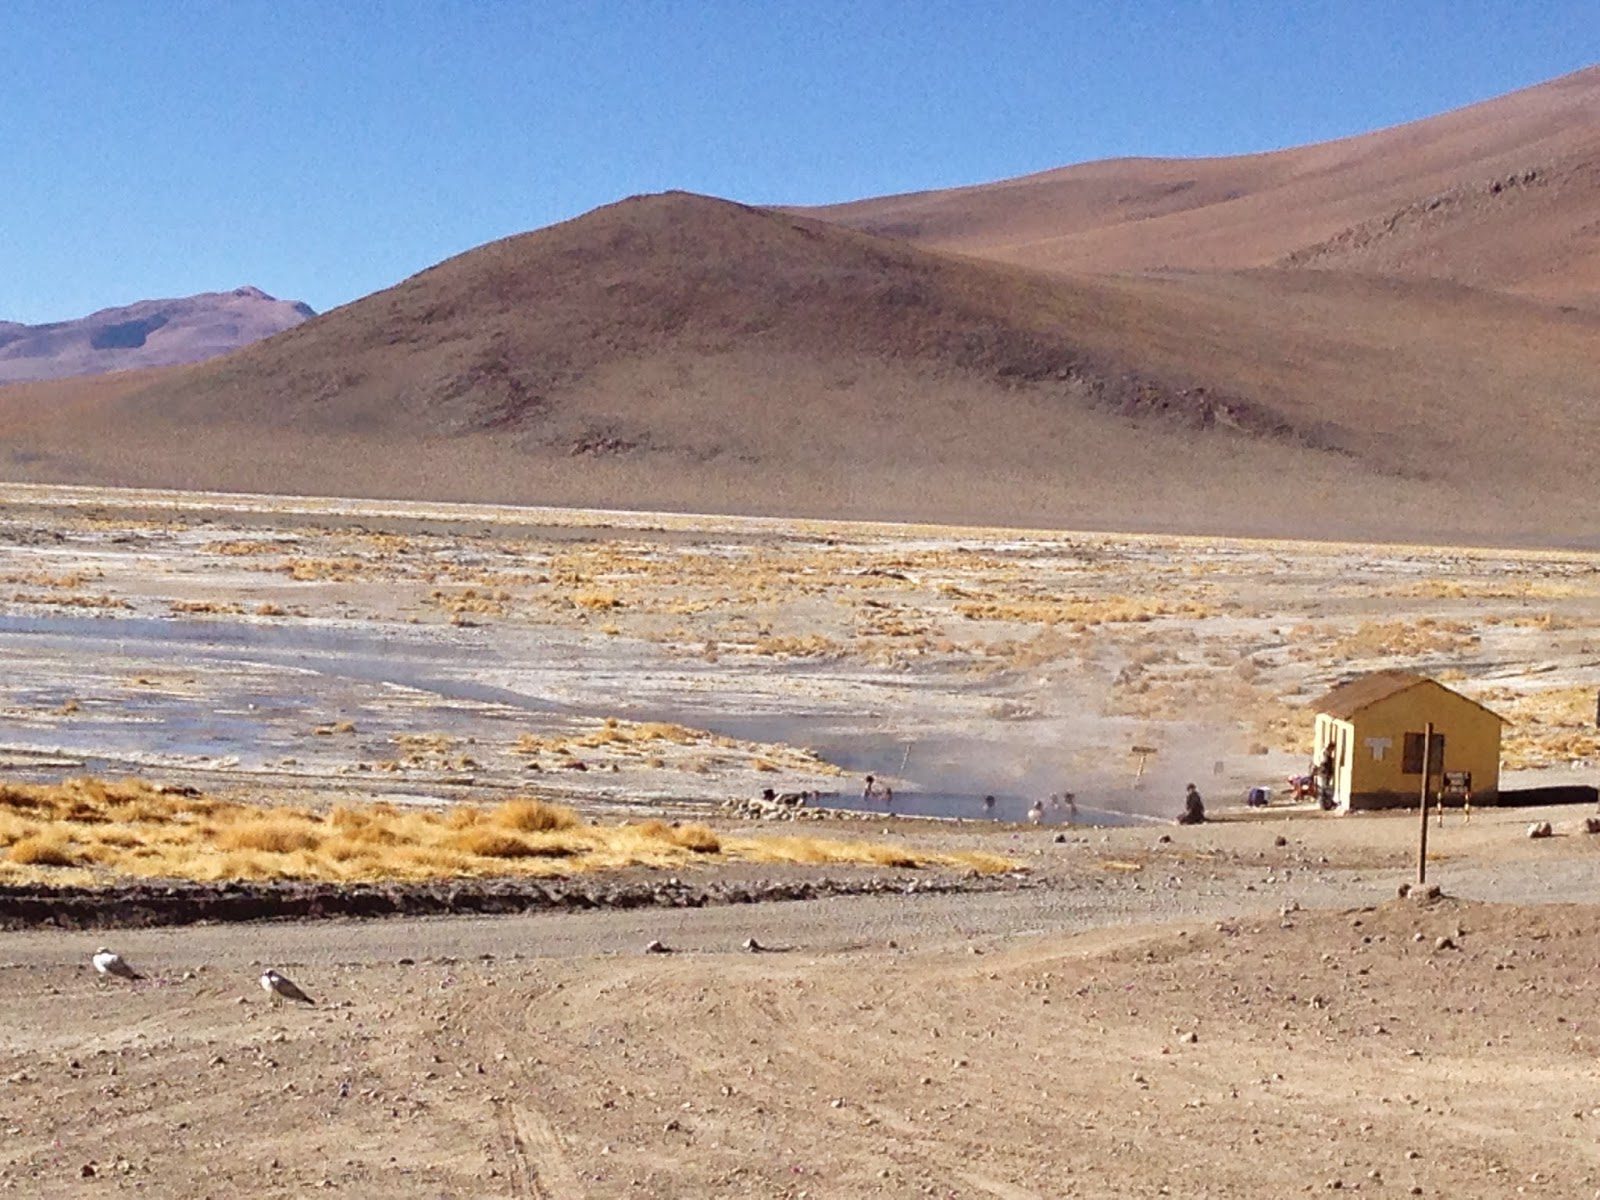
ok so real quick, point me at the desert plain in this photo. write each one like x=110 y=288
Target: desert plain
x=973 y=1005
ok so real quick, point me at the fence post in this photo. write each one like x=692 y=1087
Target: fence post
x=1422 y=829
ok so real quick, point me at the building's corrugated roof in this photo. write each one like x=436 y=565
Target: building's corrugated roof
x=1364 y=691
x=1353 y=695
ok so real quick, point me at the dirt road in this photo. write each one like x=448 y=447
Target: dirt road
x=1181 y=1028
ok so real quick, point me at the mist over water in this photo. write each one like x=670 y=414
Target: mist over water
x=1023 y=762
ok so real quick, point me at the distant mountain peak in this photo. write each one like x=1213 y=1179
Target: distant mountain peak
x=147 y=333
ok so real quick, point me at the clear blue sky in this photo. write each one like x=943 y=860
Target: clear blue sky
x=323 y=150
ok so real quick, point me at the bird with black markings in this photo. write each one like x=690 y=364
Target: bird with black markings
x=281 y=987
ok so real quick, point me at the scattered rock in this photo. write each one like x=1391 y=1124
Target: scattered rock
x=1540 y=829
x=1280 y=841
x=1591 y=824
x=1422 y=893
x=656 y=946
x=753 y=946
x=1444 y=943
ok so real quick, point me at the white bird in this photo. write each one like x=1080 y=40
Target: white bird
x=108 y=962
x=281 y=987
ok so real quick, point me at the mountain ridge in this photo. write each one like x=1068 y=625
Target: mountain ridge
x=146 y=333
x=1398 y=344
x=1530 y=158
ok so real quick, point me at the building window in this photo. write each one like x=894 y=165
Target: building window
x=1412 y=763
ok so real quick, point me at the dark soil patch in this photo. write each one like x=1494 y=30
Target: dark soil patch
x=150 y=904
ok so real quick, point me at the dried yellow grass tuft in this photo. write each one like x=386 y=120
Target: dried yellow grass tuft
x=91 y=830
x=534 y=816
x=269 y=836
x=42 y=851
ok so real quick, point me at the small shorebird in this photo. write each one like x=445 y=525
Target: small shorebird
x=109 y=963
x=280 y=987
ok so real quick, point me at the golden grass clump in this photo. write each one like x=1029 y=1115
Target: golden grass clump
x=642 y=743
x=242 y=548
x=1105 y=610
x=70 y=601
x=485 y=842
x=202 y=607
x=87 y=831
x=1404 y=639
x=315 y=570
x=811 y=645
x=695 y=837
x=534 y=816
x=42 y=850
x=269 y=836
x=69 y=581
x=596 y=601
x=471 y=602
x=1550 y=727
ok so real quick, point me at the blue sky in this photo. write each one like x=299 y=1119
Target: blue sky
x=325 y=150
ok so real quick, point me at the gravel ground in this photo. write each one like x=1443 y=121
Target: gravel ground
x=1214 y=1015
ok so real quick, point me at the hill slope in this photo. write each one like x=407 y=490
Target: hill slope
x=1503 y=194
x=525 y=336
x=146 y=334
x=681 y=352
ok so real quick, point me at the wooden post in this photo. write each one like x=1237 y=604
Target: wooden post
x=1422 y=828
x=1143 y=752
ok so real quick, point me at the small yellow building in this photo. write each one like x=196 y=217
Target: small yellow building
x=1374 y=726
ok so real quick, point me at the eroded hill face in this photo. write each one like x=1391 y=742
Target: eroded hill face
x=1504 y=194
x=149 y=333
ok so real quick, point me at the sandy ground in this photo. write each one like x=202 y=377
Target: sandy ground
x=1217 y=1015
x=1243 y=1010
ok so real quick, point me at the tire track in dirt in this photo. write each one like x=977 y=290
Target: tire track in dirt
x=552 y=1175
x=946 y=1159
x=996 y=1187
x=542 y=1171
x=524 y=1185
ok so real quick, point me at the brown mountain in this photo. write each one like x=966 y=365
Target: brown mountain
x=149 y=333
x=682 y=352
x=1503 y=194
